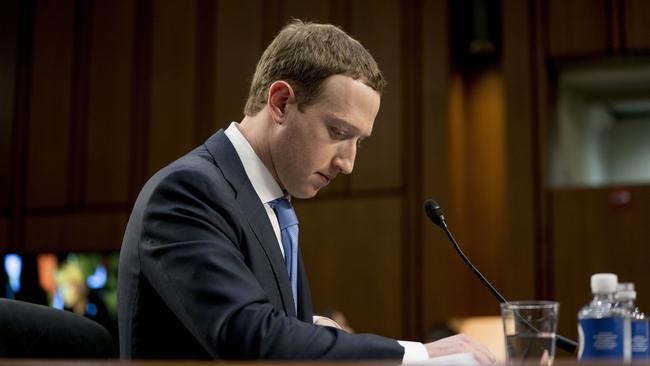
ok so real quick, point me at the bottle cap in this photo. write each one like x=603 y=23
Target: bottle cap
x=625 y=295
x=603 y=283
x=625 y=286
x=625 y=291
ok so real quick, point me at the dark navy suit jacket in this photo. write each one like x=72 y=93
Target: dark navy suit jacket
x=201 y=273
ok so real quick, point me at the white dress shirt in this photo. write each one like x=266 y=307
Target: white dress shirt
x=267 y=190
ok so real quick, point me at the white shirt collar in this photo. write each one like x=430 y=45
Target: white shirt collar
x=265 y=186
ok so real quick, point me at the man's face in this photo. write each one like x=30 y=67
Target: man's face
x=310 y=148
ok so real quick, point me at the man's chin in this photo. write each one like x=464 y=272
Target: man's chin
x=305 y=194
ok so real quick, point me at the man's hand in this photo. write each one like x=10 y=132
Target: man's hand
x=458 y=344
x=327 y=322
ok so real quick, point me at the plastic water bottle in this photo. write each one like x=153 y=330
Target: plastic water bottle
x=625 y=296
x=603 y=329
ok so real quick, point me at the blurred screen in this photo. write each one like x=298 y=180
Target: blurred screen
x=84 y=283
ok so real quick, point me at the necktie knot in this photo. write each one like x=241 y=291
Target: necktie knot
x=286 y=215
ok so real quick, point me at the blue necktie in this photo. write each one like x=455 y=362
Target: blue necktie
x=289 y=233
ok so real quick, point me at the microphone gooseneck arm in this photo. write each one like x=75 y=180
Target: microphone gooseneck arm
x=435 y=214
x=471 y=266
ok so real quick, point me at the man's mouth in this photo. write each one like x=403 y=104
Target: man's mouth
x=325 y=178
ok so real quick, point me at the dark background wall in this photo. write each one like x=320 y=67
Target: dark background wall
x=95 y=96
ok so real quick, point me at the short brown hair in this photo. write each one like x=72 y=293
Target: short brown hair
x=304 y=55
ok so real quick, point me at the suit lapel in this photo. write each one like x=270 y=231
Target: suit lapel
x=261 y=227
x=253 y=210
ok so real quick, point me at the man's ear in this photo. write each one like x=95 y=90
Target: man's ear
x=280 y=94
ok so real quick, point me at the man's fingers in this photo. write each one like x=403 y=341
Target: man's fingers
x=485 y=353
x=458 y=344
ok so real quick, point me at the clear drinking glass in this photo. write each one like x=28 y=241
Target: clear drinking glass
x=530 y=330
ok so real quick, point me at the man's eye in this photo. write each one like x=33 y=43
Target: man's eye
x=337 y=133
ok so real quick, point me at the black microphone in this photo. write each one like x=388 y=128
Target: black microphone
x=435 y=214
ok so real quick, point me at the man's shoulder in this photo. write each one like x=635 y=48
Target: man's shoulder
x=196 y=173
x=195 y=165
x=200 y=164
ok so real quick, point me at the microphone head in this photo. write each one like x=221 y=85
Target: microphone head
x=434 y=212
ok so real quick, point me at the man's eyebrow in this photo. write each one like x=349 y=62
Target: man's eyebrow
x=350 y=127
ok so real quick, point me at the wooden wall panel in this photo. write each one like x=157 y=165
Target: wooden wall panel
x=140 y=95
x=171 y=128
x=486 y=175
x=47 y=155
x=234 y=70
x=272 y=19
x=543 y=105
x=589 y=236
x=637 y=30
x=352 y=259
x=466 y=297
x=379 y=161
x=457 y=200
x=81 y=231
x=205 y=58
x=519 y=89
x=4 y=232
x=79 y=101
x=8 y=44
x=436 y=161
x=477 y=189
x=411 y=114
x=109 y=108
x=578 y=27
x=317 y=11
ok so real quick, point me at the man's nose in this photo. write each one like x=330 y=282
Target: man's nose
x=344 y=161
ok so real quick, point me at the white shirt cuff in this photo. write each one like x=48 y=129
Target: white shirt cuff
x=315 y=318
x=413 y=351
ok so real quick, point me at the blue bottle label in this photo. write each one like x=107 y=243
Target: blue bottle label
x=601 y=338
x=640 y=337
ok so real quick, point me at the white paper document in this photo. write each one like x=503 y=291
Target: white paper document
x=460 y=359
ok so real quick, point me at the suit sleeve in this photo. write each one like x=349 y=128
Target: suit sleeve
x=190 y=254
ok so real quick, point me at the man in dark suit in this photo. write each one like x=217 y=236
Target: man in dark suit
x=210 y=266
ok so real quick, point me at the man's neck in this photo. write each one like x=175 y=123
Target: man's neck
x=256 y=130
